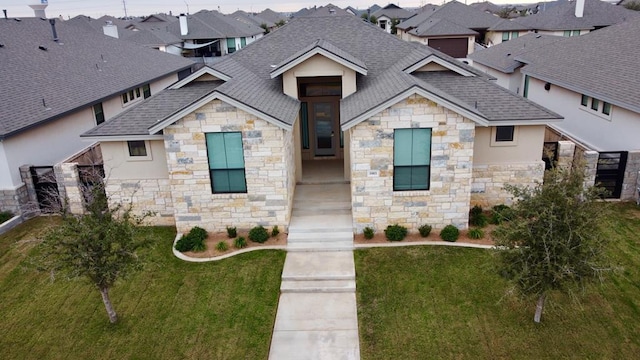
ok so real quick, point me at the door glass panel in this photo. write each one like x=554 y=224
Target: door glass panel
x=323 y=115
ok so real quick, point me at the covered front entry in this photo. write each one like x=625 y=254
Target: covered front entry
x=322 y=143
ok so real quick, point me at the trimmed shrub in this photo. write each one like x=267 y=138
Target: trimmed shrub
x=193 y=241
x=501 y=213
x=222 y=246
x=368 y=233
x=395 y=232
x=425 y=230
x=231 y=232
x=240 y=243
x=258 y=234
x=450 y=233
x=275 y=231
x=5 y=216
x=477 y=217
x=476 y=233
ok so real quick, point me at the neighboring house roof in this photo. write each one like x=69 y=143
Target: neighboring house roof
x=271 y=16
x=393 y=12
x=502 y=57
x=81 y=69
x=597 y=14
x=152 y=37
x=441 y=27
x=385 y=75
x=252 y=19
x=601 y=64
x=210 y=24
x=97 y=24
x=454 y=12
x=508 y=25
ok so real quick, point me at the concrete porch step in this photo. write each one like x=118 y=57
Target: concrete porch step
x=332 y=265
x=323 y=182
x=321 y=204
x=329 y=211
x=302 y=236
x=323 y=222
x=317 y=286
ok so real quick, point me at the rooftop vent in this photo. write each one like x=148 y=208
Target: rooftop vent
x=42 y=48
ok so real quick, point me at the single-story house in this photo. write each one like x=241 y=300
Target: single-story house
x=419 y=136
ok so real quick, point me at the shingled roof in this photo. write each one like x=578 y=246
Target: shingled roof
x=388 y=76
x=502 y=57
x=602 y=64
x=210 y=24
x=454 y=12
x=596 y=14
x=43 y=80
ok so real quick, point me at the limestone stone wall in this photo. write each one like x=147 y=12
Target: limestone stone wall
x=631 y=179
x=269 y=169
x=144 y=195
x=13 y=199
x=69 y=186
x=489 y=180
x=446 y=202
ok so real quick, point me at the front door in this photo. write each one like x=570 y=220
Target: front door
x=323 y=116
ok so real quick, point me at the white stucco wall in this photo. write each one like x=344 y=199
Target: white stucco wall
x=510 y=81
x=318 y=65
x=526 y=147
x=119 y=165
x=617 y=133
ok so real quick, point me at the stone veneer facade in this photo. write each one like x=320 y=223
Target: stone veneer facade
x=144 y=195
x=269 y=171
x=489 y=180
x=374 y=202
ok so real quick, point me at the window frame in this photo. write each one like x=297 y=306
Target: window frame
x=130 y=157
x=98 y=113
x=494 y=136
x=418 y=186
x=226 y=169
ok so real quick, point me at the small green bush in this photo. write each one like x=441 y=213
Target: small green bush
x=476 y=233
x=258 y=234
x=368 y=233
x=240 y=243
x=231 y=232
x=450 y=233
x=275 y=231
x=222 y=246
x=425 y=230
x=193 y=241
x=501 y=213
x=477 y=217
x=5 y=216
x=395 y=232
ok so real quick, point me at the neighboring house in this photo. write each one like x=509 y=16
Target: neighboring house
x=418 y=135
x=453 y=28
x=592 y=81
x=390 y=14
x=573 y=18
x=254 y=19
x=503 y=31
x=272 y=16
x=209 y=33
x=60 y=80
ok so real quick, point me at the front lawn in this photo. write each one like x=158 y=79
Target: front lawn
x=449 y=303
x=170 y=310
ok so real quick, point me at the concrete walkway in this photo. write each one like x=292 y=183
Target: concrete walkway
x=317 y=314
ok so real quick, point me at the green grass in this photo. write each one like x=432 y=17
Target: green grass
x=170 y=310
x=449 y=303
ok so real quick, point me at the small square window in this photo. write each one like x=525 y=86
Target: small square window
x=125 y=98
x=606 y=108
x=137 y=92
x=595 y=104
x=137 y=148
x=567 y=33
x=514 y=34
x=575 y=33
x=505 y=36
x=98 y=113
x=131 y=98
x=585 y=100
x=504 y=133
x=146 y=91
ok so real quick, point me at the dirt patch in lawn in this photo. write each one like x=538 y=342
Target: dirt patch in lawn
x=214 y=238
x=433 y=236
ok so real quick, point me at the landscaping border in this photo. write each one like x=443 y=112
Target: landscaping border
x=10 y=224
x=184 y=257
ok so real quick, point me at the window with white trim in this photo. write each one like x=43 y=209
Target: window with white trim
x=411 y=159
x=601 y=108
x=136 y=94
x=226 y=162
x=504 y=135
x=138 y=150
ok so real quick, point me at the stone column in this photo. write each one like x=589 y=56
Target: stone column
x=631 y=179
x=590 y=159
x=70 y=187
x=566 y=150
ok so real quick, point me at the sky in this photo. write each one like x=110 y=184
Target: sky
x=97 y=8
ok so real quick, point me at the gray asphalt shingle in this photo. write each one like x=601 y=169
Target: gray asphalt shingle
x=503 y=56
x=81 y=69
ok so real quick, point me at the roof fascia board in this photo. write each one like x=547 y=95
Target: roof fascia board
x=197 y=74
x=419 y=91
x=215 y=95
x=122 y=137
x=434 y=59
x=588 y=92
x=317 y=51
